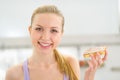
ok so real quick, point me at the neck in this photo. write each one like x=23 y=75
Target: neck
x=40 y=58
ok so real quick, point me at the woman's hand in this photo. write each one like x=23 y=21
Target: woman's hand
x=94 y=63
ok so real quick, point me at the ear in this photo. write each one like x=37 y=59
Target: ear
x=29 y=29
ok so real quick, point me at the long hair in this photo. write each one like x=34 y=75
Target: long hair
x=64 y=66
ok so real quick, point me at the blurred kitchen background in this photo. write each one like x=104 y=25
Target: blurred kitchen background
x=88 y=23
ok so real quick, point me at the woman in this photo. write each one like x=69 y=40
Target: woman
x=46 y=63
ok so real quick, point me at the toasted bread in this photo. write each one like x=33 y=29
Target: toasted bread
x=94 y=51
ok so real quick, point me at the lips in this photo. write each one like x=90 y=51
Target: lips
x=44 y=44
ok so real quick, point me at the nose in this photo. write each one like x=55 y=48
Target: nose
x=45 y=35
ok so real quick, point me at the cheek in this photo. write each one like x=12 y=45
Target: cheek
x=57 y=39
x=34 y=36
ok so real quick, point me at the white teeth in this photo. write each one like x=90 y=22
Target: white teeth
x=44 y=44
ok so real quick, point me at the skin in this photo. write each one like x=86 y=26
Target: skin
x=45 y=33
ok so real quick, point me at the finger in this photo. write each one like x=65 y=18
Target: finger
x=91 y=68
x=100 y=62
x=98 y=56
x=94 y=62
x=99 y=59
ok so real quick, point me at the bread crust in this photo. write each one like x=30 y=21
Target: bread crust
x=94 y=51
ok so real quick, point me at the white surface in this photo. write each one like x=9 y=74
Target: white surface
x=81 y=16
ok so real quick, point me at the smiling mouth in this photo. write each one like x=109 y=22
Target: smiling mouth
x=44 y=45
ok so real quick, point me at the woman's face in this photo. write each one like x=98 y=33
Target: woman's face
x=46 y=31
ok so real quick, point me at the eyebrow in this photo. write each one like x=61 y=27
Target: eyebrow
x=43 y=26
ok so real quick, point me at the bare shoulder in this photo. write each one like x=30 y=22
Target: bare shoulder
x=73 y=61
x=14 y=73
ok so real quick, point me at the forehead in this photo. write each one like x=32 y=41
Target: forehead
x=47 y=19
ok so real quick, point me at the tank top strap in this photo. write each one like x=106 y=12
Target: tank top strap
x=66 y=77
x=25 y=70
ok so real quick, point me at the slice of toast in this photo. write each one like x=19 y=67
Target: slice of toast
x=94 y=51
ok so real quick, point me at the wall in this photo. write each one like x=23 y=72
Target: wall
x=82 y=16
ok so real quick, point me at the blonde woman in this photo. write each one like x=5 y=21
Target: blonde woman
x=46 y=63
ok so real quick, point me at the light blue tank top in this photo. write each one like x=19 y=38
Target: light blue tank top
x=26 y=72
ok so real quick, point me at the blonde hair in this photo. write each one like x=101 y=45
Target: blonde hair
x=63 y=65
x=48 y=9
